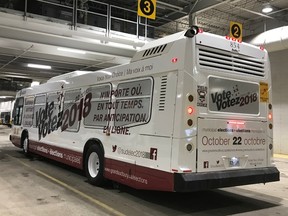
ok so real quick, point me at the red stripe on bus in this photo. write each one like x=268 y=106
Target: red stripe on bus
x=138 y=177
x=66 y=156
x=16 y=140
x=135 y=176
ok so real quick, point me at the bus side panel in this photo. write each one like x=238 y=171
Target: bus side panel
x=15 y=137
x=149 y=151
x=138 y=177
x=63 y=155
x=152 y=139
x=183 y=158
x=163 y=106
x=16 y=140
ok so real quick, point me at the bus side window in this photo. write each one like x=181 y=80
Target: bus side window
x=39 y=107
x=18 y=110
x=71 y=111
x=28 y=111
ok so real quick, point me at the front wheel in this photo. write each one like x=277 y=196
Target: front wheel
x=25 y=145
x=94 y=165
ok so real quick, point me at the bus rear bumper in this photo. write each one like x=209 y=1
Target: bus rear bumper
x=187 y=182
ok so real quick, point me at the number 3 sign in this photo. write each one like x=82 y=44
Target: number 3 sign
x=147 y=8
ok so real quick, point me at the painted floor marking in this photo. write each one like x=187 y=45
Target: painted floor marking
x=280 y=156
x=95 y=201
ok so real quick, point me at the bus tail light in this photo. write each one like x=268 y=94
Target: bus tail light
x=234 y=122
x=190 y=110
x=270 y=116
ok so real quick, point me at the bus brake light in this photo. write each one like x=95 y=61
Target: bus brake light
x=236 y=122
x=190 y=110
x=270 y=116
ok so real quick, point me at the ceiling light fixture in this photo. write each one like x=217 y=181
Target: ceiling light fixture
x=119 y=45
x=267 y=8
x=71 y=50
x=47 y=67
x=35 y=83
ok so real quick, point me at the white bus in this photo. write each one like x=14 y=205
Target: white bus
x=191 y=111
x=5 y=112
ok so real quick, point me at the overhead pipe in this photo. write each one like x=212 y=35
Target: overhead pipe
x=16 y=57
x=272 y=40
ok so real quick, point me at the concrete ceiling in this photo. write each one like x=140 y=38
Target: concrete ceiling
x=34 y=34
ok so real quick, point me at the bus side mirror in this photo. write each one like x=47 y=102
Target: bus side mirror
x=192 y=32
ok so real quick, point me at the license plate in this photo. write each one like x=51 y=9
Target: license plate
x=234 y=162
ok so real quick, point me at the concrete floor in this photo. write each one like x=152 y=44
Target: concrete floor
x=23 y=192
x=39 y=187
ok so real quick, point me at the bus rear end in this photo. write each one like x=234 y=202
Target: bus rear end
x=232 y=130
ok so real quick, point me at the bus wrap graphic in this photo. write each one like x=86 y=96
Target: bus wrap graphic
x=227 y=95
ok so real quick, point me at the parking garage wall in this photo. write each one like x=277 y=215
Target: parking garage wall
x=279 y=67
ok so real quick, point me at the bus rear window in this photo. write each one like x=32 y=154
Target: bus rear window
x=227 y=95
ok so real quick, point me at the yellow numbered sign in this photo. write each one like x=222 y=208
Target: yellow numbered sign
x=264 y=94
x=236 y=30
x=147 y=8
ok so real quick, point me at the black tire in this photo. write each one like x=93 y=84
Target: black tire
x=25 y=145
x=94 y=165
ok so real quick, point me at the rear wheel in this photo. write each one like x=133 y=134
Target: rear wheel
x=94 y=165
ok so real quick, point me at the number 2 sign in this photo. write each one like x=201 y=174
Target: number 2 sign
x=147 y=8
x=236 y=30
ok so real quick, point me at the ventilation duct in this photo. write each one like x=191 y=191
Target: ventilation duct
x=273 y=40
x=230 y=62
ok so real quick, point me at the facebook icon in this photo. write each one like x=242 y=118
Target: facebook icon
x=153 y=153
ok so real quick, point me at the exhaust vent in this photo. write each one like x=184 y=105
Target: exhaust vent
x=155 y=50
x=232 y=62
x=151 y=52
x=162 y=96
